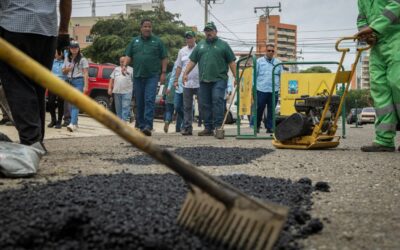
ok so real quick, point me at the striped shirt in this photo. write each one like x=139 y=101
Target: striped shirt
x=34 y=17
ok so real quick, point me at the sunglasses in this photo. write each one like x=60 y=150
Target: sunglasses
x=270 y=50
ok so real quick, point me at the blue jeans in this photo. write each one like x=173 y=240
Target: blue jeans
x=145 y=93
x=169 y=112
x=212 y=99
x=123 y=105
x=178 y=105
x=77 y=83
x=265 y=98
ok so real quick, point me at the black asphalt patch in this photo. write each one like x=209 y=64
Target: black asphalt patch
x=203 y=156
x=126 y=211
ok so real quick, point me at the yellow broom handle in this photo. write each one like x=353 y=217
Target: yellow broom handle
x=46 y=79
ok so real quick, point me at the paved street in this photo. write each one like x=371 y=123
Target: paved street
x=360 y=212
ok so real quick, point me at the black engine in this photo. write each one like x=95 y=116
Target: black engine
x=309 y=113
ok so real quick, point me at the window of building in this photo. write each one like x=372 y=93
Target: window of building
x=89 y=39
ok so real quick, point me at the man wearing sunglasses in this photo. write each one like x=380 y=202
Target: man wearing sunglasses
x=265 y=66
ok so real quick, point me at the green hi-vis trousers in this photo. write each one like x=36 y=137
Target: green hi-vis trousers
x=385 y=88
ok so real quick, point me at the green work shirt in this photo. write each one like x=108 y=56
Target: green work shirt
x=383 y=16
x=213 y=59
x=147 y=55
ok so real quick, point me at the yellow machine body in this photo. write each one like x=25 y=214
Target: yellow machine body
x=295 y=85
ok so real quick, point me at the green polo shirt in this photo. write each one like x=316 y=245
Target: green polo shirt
x=213 y=59
x=147 y=55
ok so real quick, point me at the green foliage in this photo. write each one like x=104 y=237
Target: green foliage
x=361 y=96
x=316 y=69
x=112 y=36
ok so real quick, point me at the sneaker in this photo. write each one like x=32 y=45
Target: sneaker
x=146 y=132
x=187 y=132
x=377 y=148
x=58 y=125
x=72 y=128
x=51 y=124
x=166 y=127
x=206 y=132
x=269 y=131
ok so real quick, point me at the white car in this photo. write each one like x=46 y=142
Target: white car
x=367 y=115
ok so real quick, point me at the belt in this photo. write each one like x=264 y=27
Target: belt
x=79 y=77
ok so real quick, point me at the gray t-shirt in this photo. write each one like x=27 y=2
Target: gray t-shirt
x=78 y=68
x=29 y=16
x=122 y=83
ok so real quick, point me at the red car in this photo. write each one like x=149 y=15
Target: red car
x=99 y=77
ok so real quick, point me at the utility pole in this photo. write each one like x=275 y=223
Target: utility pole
x=267 y=10
x=93 y=8
x=206 y=2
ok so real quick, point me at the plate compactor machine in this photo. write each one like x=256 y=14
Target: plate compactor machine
x=314 y=124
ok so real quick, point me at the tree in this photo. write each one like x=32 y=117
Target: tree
x=316 y=69
x=362 y=96
x=112 y=36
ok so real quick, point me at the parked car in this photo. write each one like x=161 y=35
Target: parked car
x=367 y=115
x=99 y=77
x=352 y=116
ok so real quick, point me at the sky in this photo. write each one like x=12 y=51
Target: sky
x=319 y=22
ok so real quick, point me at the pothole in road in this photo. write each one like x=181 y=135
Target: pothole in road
x=204 y=156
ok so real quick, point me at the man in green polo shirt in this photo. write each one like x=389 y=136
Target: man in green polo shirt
x=150 y=65
x=214 y=58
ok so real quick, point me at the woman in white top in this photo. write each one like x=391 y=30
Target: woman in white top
x=76 y=68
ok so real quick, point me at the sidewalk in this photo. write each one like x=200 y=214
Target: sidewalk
x=88 y=127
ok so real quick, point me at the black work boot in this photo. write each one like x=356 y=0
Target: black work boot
x=146 y=132
x=377 y=148
x=187 y=132
x=58 y=125
x=206 y=132
x=51 y=124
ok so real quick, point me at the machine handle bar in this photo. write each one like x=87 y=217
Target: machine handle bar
x=353 y=38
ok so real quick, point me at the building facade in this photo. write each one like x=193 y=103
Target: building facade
x=80 y=26
x=362 y=80
x=283 y=36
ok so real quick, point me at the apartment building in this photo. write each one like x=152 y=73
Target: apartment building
x=362 y=72
x=283 y=36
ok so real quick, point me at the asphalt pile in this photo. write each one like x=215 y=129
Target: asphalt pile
x=126 y=211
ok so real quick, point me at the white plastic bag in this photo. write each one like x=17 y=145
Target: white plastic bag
x=17 y=160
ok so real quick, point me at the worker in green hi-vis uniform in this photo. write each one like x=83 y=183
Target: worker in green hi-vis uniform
x=379 y=25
